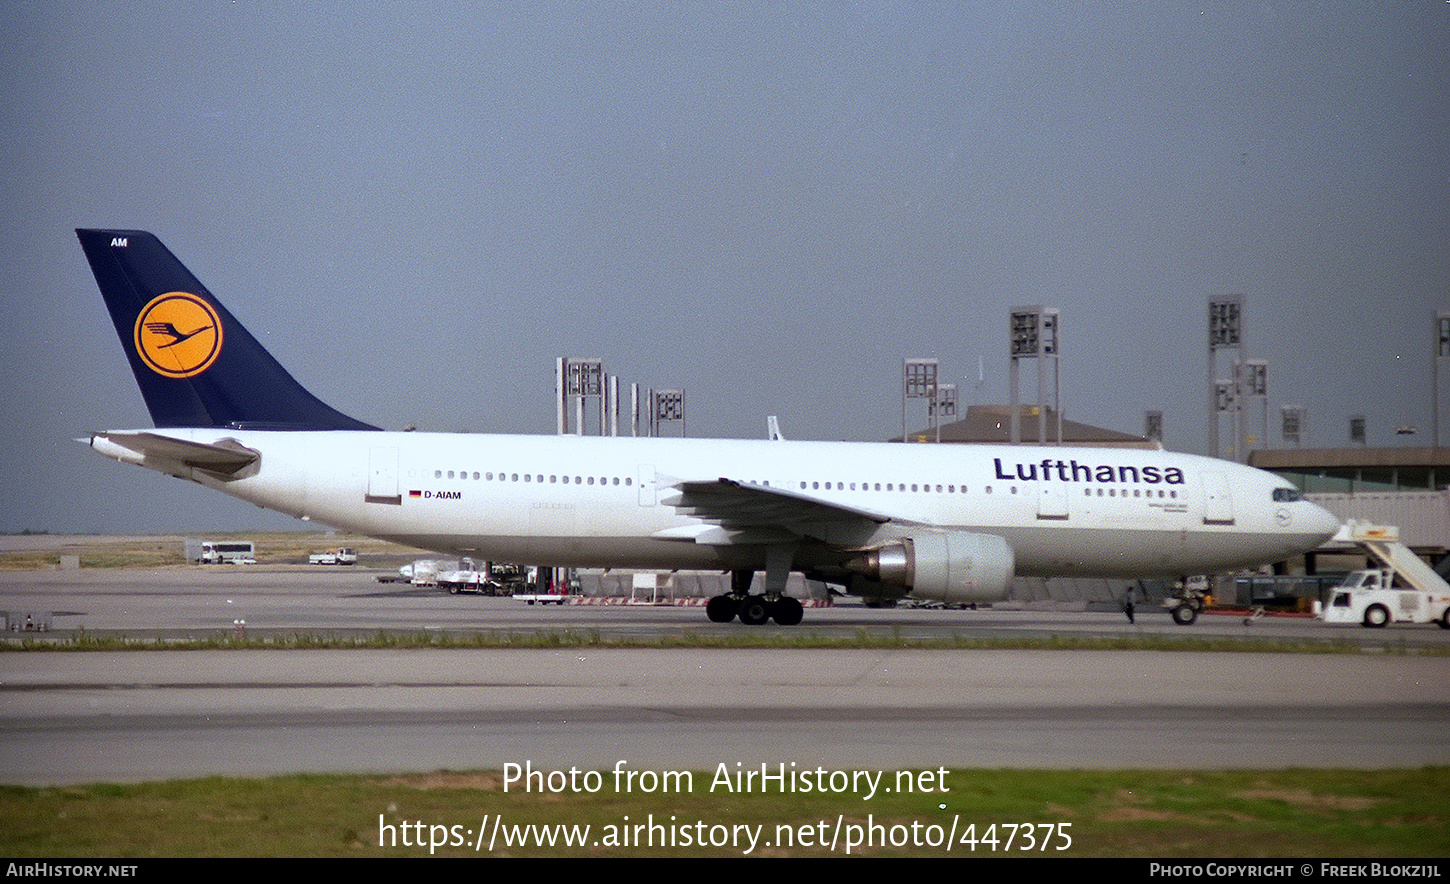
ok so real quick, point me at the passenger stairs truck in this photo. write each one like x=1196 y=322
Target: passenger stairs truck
x=1372 y=598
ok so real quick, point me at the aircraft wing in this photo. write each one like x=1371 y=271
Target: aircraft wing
x=741 y=513
x=225 y=459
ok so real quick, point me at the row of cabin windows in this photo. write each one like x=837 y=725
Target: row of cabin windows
x=531 y=477
x=1137 y=492
x=815 y=486
x=890 y=486
x=952 y=489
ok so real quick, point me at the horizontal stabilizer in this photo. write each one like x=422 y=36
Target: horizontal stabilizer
x=225 y=459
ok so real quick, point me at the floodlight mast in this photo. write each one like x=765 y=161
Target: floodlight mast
x=1225 y=332
x=943 y=407
x=578 y=380
x=1292 y=417
x=666 y=406
x=1033 y=334
x=1442 y=357
x=919 y=381
x=1153 y=426
x=1252 y=376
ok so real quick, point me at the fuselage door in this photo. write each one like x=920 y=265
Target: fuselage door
x=1218 y=502
x=383 y=476
x=1052 y=500
x=646 y=479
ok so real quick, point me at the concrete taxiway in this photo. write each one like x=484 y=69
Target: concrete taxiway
x=200 y=602
x=80 y=717
x=148 y=715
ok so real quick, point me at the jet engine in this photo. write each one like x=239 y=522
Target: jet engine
x=957 y=568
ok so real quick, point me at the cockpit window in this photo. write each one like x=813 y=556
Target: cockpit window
x=1287 y=495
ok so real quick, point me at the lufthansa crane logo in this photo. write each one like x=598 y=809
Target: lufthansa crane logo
x=178 y=335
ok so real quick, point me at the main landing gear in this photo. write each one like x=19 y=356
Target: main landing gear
x=753 y=610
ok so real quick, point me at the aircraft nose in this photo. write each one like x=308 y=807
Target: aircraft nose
x=1322 y=521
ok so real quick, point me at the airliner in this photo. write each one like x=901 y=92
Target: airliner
x=953 y=523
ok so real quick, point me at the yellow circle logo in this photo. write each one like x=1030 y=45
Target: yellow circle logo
x=178 y=335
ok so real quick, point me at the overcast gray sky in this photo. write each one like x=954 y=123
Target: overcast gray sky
x=418 y=207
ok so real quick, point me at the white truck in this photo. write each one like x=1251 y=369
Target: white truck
x=340 y=556
x=425 y=572
x=1371 y=599
x=484 y=578
x=467 y=577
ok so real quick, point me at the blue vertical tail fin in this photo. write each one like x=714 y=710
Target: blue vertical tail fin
x=196 y=365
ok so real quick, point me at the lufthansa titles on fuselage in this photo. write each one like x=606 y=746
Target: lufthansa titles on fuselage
x=1072 y=471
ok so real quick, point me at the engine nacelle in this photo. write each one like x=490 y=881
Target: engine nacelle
x=958 y=568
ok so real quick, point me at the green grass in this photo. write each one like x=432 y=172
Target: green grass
x=1159 y=814
x=282 y=547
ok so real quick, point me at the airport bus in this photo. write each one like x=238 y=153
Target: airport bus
x=222 y=552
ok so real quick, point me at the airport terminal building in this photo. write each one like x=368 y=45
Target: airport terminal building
x=1405 y=487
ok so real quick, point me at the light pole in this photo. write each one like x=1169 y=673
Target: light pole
x=1225 y=332
x=1442 y=355
x=919 y=381
x=1033 y=334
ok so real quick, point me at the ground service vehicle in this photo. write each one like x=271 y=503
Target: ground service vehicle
x=1370 y=598
x=340 y=556
x=485 y=578
x=222 y=552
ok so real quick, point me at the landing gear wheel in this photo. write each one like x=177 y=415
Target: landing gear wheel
x=1184 y=615
x=754 y=611
x=1376 y=616
x=722 y=608
x=787 y=611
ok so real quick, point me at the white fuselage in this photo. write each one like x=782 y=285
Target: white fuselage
x=607 y=502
